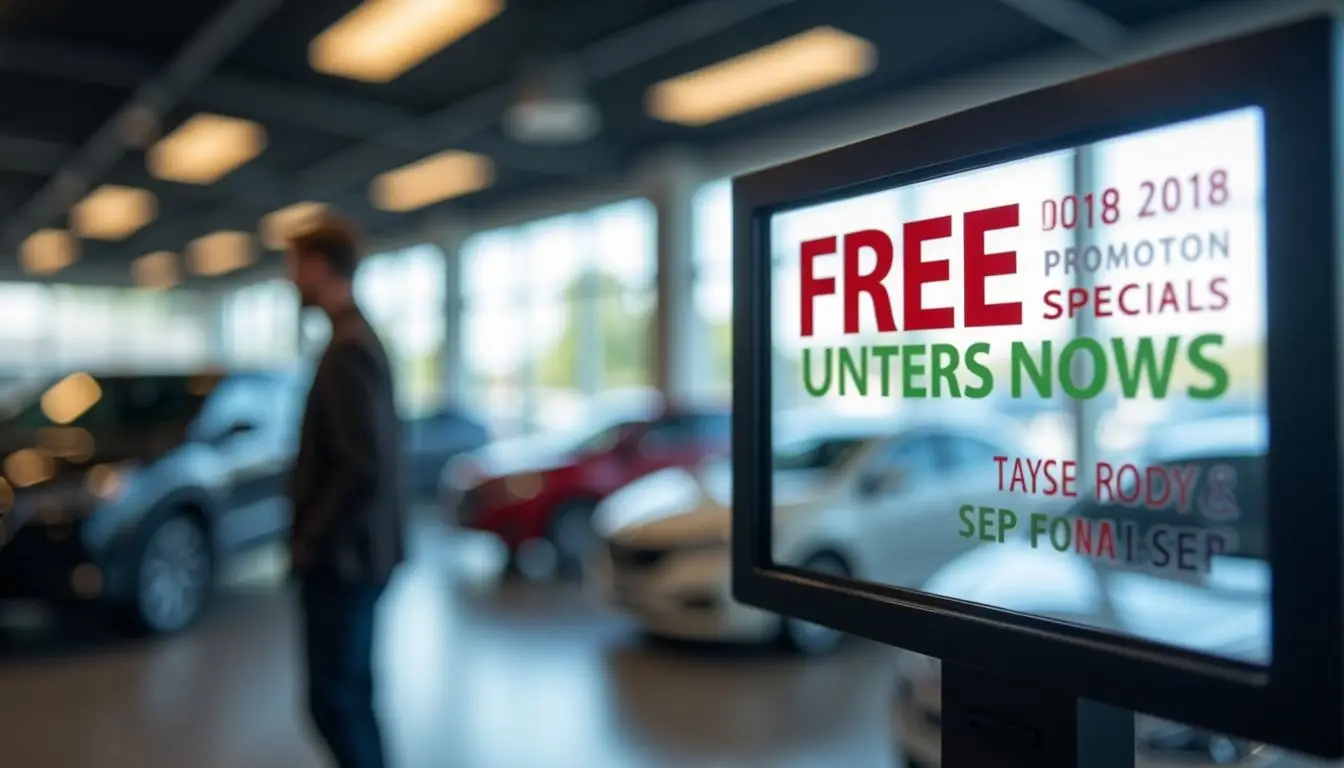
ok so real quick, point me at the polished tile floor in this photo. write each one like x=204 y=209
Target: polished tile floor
x=476 y=673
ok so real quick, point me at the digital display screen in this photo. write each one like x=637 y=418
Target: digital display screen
x=1039 y=386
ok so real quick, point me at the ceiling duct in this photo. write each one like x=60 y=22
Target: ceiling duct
x=552 y=105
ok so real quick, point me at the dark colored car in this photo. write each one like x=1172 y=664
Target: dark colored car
x=126 y=491
x=531 y=495
x=432 y=441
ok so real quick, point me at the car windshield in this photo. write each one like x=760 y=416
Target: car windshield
x=102 y=403
x=829 y=453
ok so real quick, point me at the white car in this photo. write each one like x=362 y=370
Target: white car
x=870 y=500
x=1226 y=610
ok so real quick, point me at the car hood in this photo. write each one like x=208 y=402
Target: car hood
x=1223 y=613
x=678 y=505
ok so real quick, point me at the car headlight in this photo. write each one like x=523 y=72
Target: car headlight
x=108 y=481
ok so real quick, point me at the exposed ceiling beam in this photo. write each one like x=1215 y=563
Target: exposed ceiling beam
x=471 y=118
x=1076 y=20
x=202 y=53
x=32 y=156
x=313 y=109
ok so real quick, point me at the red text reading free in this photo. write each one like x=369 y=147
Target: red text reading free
x=978 y=266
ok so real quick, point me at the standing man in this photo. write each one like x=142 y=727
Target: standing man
x=347 y=534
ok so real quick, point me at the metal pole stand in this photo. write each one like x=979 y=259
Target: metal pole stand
x=996 y=722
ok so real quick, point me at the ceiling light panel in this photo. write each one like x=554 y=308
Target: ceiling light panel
x=380 y=40
x=48 y=251
x=279 y=225
x=220 y=253
x=112 y=212
x=156 y=270
x=206 y=148
x=812 y=61
x=436 y=178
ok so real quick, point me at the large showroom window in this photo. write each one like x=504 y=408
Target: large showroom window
x=259 y=325
x=557 y=317
x=52 y=328
x=712 y=290
x=25 y=335
x=119 y=328
x=403 y=294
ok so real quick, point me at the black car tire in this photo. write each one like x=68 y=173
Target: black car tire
x=570 y=532
x=911 y=762
x=806 y=638
x=173 y=576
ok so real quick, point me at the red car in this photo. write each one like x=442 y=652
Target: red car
x=539 y=499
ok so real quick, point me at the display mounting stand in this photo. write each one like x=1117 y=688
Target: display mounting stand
x=990 y=721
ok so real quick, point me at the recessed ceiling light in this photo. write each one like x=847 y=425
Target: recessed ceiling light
x=111 y=212
x=156 y=270
x=220 y=253
x=279 y=225
x=206 y=148
x=436 y=178
x=382 y=39
x=814 y=60
x=48 y=251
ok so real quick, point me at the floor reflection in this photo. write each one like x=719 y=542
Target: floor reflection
x=475 y=672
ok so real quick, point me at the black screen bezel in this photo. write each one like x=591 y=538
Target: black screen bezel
x=1292 y=74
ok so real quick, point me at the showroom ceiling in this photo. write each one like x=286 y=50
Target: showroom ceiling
x=172 y=129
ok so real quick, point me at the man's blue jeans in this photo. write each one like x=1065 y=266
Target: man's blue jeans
x=338 y=638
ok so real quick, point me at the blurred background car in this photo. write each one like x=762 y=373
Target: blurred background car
x=867 y=499
x=125 y=491
x=431 y=441
x=1223 y=610
x=538 y=496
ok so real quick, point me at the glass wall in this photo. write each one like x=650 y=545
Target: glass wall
x=712 y=291
x=53 y=328
x=260 y=325
x=557 y=318
x=403 y=294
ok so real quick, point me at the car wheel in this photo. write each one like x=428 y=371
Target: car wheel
x=174 y=576
x=805 y=637
x=571 y=534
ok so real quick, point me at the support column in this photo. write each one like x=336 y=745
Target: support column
x=670 y=181
x=218 y=332
x=449 y=237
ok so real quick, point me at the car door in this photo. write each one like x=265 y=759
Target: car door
x=901 y=503
x=251 y=425
x=969 y=466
